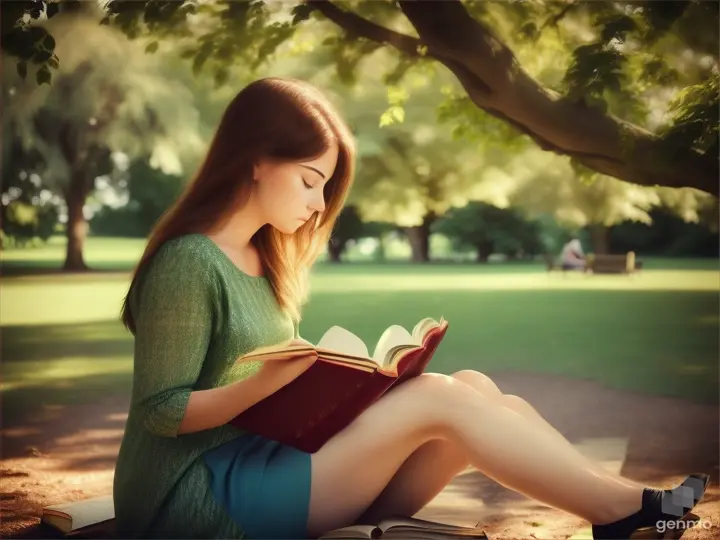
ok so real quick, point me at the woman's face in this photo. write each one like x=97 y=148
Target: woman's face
x=290 y=193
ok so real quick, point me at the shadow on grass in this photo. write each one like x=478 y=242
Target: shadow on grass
x=42 y=415
x=60 y=379
x=100 y=339
x=30 y=268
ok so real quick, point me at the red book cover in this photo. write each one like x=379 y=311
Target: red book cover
x=335 y=390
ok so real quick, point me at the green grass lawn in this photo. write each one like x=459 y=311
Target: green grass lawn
x=654 y=332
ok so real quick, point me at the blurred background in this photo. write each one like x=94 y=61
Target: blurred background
x=488 y=137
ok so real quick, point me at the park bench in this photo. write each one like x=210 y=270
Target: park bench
x=601 y=264
x=612 y=264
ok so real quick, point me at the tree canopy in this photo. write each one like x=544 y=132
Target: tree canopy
x=611 y=59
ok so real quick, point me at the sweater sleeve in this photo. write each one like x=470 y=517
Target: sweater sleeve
x=174 y=324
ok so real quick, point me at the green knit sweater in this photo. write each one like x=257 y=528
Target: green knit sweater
x=196 y=312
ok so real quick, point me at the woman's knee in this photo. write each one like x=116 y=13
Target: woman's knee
x=515 y=402
x=481 y=382
x=438 y=385
x=437 y=398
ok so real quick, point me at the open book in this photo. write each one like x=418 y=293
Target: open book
x=80 y=518
x=344 y=381
x=340 y=345
x=405 y=528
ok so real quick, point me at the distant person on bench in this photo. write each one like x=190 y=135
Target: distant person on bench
x=572 y=255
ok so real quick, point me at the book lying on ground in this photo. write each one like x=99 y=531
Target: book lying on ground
x=80 y=518
x=406 y=528
x=344 y=381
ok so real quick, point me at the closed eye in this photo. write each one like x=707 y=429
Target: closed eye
x=309 y=186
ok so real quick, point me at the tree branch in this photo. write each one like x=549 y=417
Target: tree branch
x=355 y=24
x=495 y=82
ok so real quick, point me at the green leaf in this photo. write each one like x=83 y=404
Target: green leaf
x=202 y=55
x=41 y=56
x=35 y=34
x=301 y=13
x=221 y=76
x=617 y=28
x=529 y=30
x=22 y=69
x=49 y=43
x=43 y=75
x=71 y=6
x=188 y=9
x=52 y=9
x=152 y=47
x=397 y=95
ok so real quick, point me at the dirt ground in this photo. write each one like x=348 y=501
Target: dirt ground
x=69 y=453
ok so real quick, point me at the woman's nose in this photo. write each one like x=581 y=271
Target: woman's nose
x=318 y=203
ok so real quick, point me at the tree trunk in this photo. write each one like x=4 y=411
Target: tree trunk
x=495 y=82
x=76 y=227
x=335 y=250
x=483 y=251
x=379 y=254
x=599 y=235
x=419 y=238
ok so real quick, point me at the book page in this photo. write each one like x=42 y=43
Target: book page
x=417 y=523
x=338 y=339
x=353 y=531
x=393 y=336
x=422 y=328
x=85 y=512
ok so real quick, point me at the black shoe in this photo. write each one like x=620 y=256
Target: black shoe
x=659 y=507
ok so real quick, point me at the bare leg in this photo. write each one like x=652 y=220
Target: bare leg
x=354 y=467
x=430 y=468
x=485 y=385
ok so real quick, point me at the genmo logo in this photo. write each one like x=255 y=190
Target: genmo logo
x=663 y=526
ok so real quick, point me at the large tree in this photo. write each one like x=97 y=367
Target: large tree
x=621 y=50
x=108 y=100
x=414 y=181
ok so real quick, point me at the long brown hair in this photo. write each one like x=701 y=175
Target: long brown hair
x=277 y=118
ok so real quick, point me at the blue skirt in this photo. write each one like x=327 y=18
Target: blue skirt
x=263 y=485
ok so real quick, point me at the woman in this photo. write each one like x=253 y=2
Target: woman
x=225 y=272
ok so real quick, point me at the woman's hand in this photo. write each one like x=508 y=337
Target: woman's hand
x=300 y=341
x=274 y=375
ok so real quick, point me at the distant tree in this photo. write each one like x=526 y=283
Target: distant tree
x=488 y=229
x=108 y=99
x=146 y=194
x=27 y=211
x=668 y=235
x=349 y=226
x=577 y=197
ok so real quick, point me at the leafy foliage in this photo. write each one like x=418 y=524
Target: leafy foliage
x=489 y=229
x=28 y=211
x=608 y=54
x=30 y=44
x=147 y=193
